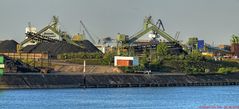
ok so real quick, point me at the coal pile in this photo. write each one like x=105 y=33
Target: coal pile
x=8 y=46
x=55 y=48
x=13 y=66
x=88 y=46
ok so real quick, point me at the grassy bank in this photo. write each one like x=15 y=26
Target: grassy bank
x=194 y=63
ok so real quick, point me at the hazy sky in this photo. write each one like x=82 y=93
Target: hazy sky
x=211 y=20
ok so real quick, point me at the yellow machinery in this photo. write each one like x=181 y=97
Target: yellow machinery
x=78 y=37
x=207 y=54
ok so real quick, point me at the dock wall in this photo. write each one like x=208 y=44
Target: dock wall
x=33 y=81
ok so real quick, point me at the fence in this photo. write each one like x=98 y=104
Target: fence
x=27 y=55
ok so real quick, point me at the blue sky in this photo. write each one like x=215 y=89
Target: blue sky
x=211 y=20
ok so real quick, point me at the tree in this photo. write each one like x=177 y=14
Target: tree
x=196 y=55
x=235 y=39
x=108 y=58
x=162 y=49
x=144 y=58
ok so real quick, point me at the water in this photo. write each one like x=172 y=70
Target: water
x=123 y=98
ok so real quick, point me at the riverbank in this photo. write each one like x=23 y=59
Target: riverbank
x=56 y=80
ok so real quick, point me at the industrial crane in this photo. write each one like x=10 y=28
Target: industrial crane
x=53 y=26
x=148 y=26
x=127 y=41
x=177 y=35
x=90 y=36
x=159 y=23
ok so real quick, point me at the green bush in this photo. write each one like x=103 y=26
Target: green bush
x=131 y=69
x=225 y=70
x=196 y=56
x=108 y=58
x=88 y=61
x=162 y=49
x=79 y=55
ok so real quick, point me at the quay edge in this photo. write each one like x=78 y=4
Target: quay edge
x=45 y=81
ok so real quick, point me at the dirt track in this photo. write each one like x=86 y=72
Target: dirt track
x=63 y=67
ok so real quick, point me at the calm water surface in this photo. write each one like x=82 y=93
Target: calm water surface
x=123 y=98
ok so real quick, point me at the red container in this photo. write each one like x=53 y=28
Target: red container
x=124 y=63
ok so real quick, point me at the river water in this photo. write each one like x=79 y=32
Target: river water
x=216 y=97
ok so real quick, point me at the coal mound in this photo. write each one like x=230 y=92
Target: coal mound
x=55 y=48
x=88 y=46
x=14 y=66
x=8 y=46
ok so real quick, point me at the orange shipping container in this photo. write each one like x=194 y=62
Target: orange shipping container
x=124 y=62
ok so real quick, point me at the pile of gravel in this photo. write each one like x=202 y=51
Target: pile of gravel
x=8 y=46
x=55 y=48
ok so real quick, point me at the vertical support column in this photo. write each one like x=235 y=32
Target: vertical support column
x=34 y=59
x=84 y=67
x=27 y=58
x=41 y=60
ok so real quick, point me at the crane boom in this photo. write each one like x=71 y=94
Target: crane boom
x=149 y=26
x=139 y=34
x=37 y=36
x=92 y=39
x=177 y=35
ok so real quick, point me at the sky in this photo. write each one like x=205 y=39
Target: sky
x=211 y=20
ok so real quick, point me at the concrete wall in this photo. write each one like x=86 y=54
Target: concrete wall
x=31 y=81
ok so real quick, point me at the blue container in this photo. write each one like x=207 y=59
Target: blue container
x=200 y=44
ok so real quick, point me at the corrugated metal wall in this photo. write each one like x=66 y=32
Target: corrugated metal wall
x=124 y=62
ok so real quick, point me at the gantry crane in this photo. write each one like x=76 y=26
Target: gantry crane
x=53 y=26
x=127 y=41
